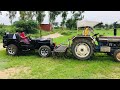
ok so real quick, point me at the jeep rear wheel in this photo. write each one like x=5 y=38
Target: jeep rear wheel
x=12 y=50
x=82 y=49
x=44 y=51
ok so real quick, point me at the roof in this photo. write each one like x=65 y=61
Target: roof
x=84 y=23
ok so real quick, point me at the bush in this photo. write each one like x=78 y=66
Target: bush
x=10 y=29
x=28 y=27
x=56 y=27
x=2 y=31
x=1 y=25
x=66 y=32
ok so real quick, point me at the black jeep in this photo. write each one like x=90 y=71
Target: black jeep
x=14 y=46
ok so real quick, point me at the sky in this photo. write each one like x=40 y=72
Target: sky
x=107 y=17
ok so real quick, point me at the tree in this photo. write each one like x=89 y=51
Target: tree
x=111 y=26
x=29 y=26
x=40 y=17
x=106 y=26
x=30 y=15
x=72 y=22
x=22 y=15
x=55 y=24
x=53 y=15
x=12 y=15
x=64 y=17
x=78 y=15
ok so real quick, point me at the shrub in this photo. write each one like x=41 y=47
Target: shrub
x=28 y=27
x=1 y=25
x=2 y=31
x=10 y=29
x=66 y=32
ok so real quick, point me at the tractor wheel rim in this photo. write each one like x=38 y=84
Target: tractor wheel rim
x=11 y=50
x=44 y=52
x=118 y=56
x=82 y=50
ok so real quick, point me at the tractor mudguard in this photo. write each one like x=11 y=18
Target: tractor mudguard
x=81 y=37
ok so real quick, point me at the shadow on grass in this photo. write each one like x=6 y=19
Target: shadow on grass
x=95 y=57
x=69 y=56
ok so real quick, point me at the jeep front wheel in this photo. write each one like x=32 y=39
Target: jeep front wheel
x=44 y=51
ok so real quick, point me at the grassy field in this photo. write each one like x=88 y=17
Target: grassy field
x=100 y=66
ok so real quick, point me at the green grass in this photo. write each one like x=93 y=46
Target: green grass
x=100 y=66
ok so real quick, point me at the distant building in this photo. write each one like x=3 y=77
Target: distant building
x=45 y=27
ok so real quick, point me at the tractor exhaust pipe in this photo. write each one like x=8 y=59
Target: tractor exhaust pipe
x=115 y=29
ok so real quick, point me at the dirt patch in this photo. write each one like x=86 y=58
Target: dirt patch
x=7 y=73
x=56 y=35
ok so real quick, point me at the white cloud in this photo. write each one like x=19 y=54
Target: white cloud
x=104 y=16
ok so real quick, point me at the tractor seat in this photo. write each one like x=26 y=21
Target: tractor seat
x=109 y=38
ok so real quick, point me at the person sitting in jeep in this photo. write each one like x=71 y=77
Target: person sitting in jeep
x=24 y=38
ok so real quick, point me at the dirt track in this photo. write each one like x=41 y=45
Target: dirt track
x=7 y=73
x=55 y=35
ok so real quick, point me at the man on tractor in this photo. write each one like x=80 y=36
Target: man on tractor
x=87 y=31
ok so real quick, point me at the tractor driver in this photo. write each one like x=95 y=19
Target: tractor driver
x=87 y=31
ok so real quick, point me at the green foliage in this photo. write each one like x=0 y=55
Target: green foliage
x=53 y=15
x=29 y=26
x=10 y=29
x=12 y=15
x=65 y=32
x=71 y=23
x=2 y=31
x=1 y=25
x=64 y=17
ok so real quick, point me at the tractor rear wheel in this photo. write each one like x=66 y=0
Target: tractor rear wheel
x=117 y=55
x=82 y=49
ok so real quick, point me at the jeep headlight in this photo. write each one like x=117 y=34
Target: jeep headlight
x=51 y=41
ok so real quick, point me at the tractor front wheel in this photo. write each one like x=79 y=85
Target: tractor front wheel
x=117 y=55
